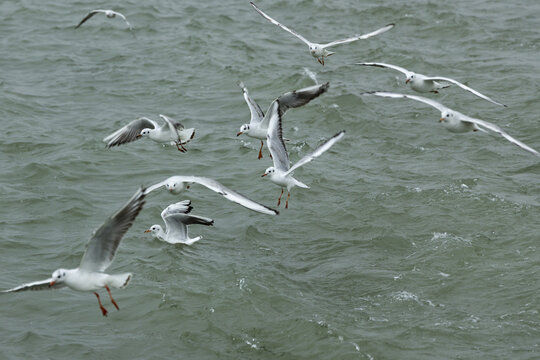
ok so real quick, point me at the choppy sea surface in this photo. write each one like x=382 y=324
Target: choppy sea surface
x=412 y=242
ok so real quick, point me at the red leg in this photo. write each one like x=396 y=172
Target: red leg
x=103 y=310
x=112 y=300
x=287 y=202
x=260 y=150
x=178 y=147
x=279 y=199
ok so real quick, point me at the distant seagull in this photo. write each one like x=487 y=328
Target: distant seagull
x=319 y=51
x=178 y=184
x=258 y=125
x=176 y=220
x=171 y=132
x=422 y=83
x=99 y=254
x=109 y=13
x=457 y=122
x=282 y=173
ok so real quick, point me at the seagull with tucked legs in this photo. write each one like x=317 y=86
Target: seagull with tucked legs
x=108 y=13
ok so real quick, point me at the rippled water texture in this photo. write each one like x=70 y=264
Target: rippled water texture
x=412 y=243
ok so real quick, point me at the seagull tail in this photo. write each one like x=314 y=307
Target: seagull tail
x=300 y=184
x=119 y=280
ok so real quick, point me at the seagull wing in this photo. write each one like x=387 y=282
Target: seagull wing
x=433 y=103
x=318 y=151
x=88 y=16
x=293 y=99
x=274 y=139
x=123 y=17
x=37 y=285
x=173 y=125
x=102 y=247
x=359 y=37
x=463 y=86
x=183 y=207
x=280 y=25
x=130 y=132
x=383 y=65
x=256 y=112
x=498 y=130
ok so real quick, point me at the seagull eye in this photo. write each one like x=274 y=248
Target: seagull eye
x=58 y=276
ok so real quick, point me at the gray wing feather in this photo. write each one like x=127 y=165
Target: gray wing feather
x=102 y=247
x=274 y=139
x=318 y=151
x=465 y=87
x=359 y=37
x=433 y=103
x=88 y=16
x=383 y=65
x=129 y=132
x=256 y=112
x=37 y=285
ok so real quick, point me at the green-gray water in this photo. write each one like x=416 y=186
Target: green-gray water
x=412 y=243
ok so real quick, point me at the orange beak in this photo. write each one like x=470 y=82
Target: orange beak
x=407 y=81
x=147 y=230
x=264 y=174
x=441 y=119
x=138 y=136
x=239 y=133
x=52 y=283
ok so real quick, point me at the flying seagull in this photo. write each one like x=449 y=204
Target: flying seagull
x=176 y=217
x=178 y=184
x=109 y=13
x=99 y=254
x=457 y=122
x=258 y=125
x=423 y=83
x=171 y=132
x=319 y=51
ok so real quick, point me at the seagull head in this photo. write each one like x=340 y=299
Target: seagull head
x=59 y=276
x=243 y=129
x=269 y=172
x=176 y=187
x=448 y=117
x=110 y=13
x=154 y=229
x=144 y=132
x=410 y=77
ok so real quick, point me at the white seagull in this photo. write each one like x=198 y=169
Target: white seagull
x=282 y=173
x=109 y=13
x=171 y=132
x=99 y=254
x=456 y=122
x=178 y=184
x=176 y=220
x=319 y=51
x=423 y=83
x=258 y=125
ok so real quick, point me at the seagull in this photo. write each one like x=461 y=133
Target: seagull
x=178 y=184
x=457 y=122
x=109 y=13
x=258 y=124
x=171 y=132
x=176 y=220
x=319 y=51
x=282 y=173
x=423 y=83
x=99 y=254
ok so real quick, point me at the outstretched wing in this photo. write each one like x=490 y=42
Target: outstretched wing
x=88 y=16
x=130 y=132
x=383 y=65
x=359 y=37
x=317 y=152
x=280 y=25
x=498 y=130
x=123 y=17
x=37 y=285
x=274 y=139
x=465 y=87
x=256 y=112
x=102 y=246
x=433 y=103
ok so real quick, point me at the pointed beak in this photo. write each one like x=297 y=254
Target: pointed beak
x=138 y=136
x=263 y=175
x=239 y=133
x=147 y=230
x=52 y=283
x=407 y=81
x=441 y=120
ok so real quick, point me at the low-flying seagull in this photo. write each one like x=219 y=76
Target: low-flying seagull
x=171 y=132
x=178 y=184
x=423 y=83
x=176 y=217
x=456 y=122
x=109 y=13
x=99 y=254
x=319 y=51
x=282 y=173
x=258 y=125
